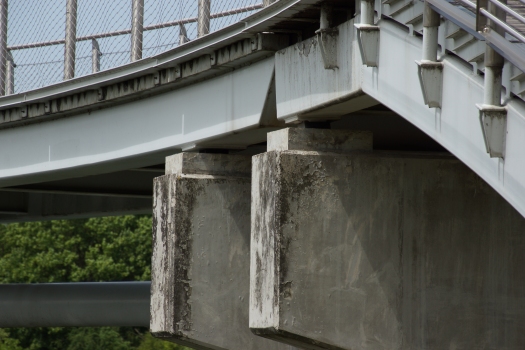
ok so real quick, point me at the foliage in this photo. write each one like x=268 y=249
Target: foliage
x=150 y=343
x=7 y=343
x=95 y=339
x=92 y=250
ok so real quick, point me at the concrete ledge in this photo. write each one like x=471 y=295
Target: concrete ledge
x=209 y=164
x=321 y=140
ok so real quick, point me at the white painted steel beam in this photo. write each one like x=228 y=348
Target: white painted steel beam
x=138 y=133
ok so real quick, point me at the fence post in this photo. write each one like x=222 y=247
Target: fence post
x=203 y=20
x=71 y=39
x=10 y=74
x=3 y=46
x=95 y=56
x=183 y=35
x=137 y=29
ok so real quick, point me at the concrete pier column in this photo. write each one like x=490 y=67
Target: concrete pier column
x=357 y=249
x=201 y=252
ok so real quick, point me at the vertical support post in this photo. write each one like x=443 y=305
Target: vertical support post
x=326 y=17
x=268 y=2
x=492 y=116
x=10 y=75
x=137 y=29
x=368 y=35
x=429 y=69
x=203 y=20
x=183 y=34
x=327 y=37
x=71 y=39
x=3 y=46
x=430 y=33
x=493 y=65
x=95 y=56
x=367 y=12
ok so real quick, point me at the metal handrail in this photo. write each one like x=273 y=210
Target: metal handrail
x=468 y=3
x=483 y=13
x=503 y=25
x=508 y=10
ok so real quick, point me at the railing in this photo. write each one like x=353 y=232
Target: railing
x=500 y=23
x=44 y=42
x=491 y=14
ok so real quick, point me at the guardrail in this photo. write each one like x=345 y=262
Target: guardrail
x=94 y=35
x=489 y=22
x=491 y=14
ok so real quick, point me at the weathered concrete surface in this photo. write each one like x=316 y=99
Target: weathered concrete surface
x=319 y=140
x=308 y=91
x=370 y=250
x=201 y=252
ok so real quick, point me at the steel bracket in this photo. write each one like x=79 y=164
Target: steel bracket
x=327 y=39
x=493 y=121
x=431 y=80
x=23 y=112
x=368 y=39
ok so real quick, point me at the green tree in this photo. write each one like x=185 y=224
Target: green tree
x=7 y=343
x=91 y=250
x=150 y=343
x=96 y=338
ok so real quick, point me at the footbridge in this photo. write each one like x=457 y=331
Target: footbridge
x=322 y=174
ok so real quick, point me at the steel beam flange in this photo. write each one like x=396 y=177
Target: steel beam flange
x=431 y=80
x=493 y=121
x=327 y=39
x=368 y=39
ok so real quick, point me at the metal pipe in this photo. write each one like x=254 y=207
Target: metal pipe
x=508 y=10
x=367 y=12
x=431 y=23
x=75 y=304
x=493 y=66
x=203 y=19
x=10 y=75
x=326 y=17
x=468 y=3
x=71 y=39
x=128 y=31
x=95 y=56
x=503 y=25
x=3 y=46
x=137 y=30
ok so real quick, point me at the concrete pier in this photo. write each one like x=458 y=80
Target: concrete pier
x=201 y=252
x=356 y=249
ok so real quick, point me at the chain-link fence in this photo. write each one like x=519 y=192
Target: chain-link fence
x=43 y=42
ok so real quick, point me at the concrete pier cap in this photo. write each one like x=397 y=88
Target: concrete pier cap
x=380 y=250
x=201 y=253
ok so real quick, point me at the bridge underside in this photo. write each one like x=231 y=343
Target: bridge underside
x=130 y=191
x=97 y=153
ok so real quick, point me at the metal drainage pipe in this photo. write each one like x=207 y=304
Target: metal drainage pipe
x=94 y=304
